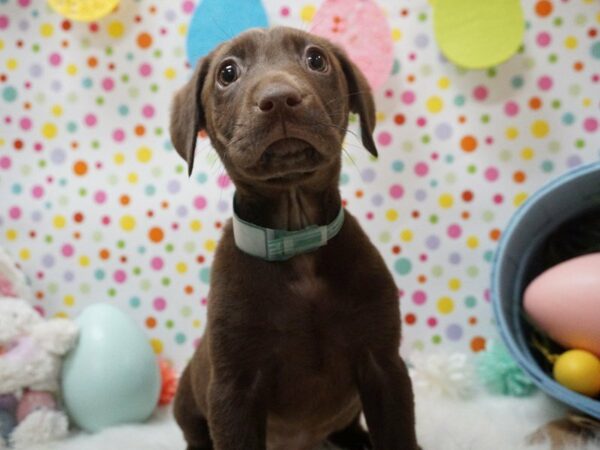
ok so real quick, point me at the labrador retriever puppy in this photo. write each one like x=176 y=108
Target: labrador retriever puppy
x=303 y=318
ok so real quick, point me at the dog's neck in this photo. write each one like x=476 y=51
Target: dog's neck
x=290 y=209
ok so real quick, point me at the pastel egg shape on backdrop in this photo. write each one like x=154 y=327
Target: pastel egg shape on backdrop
x=478 y=34
x=216 y=21
x=83 y=10
x=564 y=302
x=362 y=30
x=112 y=376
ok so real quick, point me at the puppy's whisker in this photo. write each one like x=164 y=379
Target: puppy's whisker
x=352 y=146
x=236 y=140
x=345 y=130
x=227 y=35
x=216 y=167
x=304 y=26
x=205 y=145
x=352 y=160
x=350 y=94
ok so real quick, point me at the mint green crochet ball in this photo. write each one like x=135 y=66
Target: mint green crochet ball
x=500 y=374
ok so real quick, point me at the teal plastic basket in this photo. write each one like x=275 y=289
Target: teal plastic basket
x=517 y=262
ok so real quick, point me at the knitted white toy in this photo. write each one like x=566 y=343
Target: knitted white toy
x=444 y=375
x=31 y=351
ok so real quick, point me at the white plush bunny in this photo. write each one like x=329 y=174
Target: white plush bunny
x=31 y=352
x=33 y=347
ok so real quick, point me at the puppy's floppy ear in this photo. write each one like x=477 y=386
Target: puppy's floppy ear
x=361 y=99
x=187 y=114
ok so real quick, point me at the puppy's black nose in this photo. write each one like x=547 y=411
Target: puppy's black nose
x=278 y=97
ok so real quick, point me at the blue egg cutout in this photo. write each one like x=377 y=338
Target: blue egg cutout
x=111 y=377
x=216 y=21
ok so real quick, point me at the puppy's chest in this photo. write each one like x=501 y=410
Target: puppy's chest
x=311 y=298
x=305 y=284
x=309 y=288
x=313 y=320
x=312 y=353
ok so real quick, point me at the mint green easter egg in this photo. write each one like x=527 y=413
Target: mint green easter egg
x=112 y=376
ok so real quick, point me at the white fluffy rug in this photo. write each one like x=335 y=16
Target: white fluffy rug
x=483 y=423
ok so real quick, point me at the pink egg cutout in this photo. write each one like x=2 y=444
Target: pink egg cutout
x=362 y=30
x=564 y=302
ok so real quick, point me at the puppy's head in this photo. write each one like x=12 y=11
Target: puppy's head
x=275 y=105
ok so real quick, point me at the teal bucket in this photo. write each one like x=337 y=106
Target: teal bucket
x=517 y=262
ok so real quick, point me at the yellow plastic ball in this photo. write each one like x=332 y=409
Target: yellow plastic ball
x=579 y=371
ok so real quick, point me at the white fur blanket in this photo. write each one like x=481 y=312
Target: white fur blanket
x=484 y=423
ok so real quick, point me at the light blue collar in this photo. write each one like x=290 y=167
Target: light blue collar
x=279 y=245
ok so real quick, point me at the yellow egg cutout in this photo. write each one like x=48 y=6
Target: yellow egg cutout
x=83 y=10
x=579 y=371
x=478 y=34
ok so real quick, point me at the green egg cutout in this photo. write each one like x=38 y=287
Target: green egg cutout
x=478 y=34
x=112 y=376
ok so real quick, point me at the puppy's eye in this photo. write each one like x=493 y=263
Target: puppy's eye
x=316 y=60
x=228 y=73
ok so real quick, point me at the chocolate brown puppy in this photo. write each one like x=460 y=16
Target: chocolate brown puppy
x=303 y=328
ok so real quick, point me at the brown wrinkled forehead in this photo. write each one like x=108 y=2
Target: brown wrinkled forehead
x=270 y=44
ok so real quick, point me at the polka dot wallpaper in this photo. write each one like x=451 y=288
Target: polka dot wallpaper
x=97 y=207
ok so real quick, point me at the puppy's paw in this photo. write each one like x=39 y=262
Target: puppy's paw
x=354 y=446
x=351 y=439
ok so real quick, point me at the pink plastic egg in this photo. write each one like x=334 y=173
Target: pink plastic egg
x=564 y=302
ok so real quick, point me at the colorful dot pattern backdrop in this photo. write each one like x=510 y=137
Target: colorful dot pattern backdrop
x=97 y=207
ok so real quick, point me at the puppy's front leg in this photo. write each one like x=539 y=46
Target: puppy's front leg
x=386 y=394
x=237 y=413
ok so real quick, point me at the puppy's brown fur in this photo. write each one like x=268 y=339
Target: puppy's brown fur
x=295 y=350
